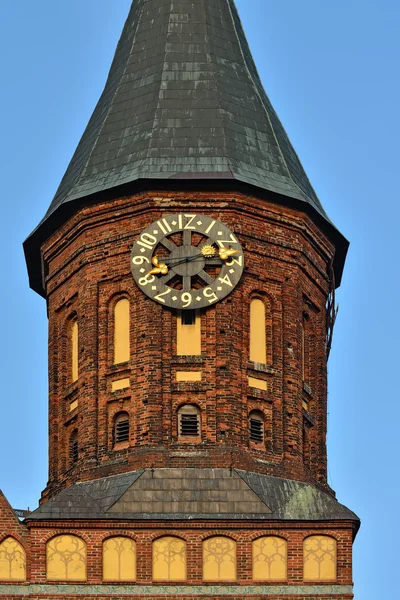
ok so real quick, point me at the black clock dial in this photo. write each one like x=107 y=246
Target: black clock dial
x=187 y=261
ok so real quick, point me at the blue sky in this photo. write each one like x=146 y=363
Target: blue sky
x=331 y=71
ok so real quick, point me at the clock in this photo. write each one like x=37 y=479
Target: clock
x=187 y=261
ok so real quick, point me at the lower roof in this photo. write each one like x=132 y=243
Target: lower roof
x=195 y=494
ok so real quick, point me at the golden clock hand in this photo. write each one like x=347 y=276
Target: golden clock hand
x=225 y=253
x=159 y=267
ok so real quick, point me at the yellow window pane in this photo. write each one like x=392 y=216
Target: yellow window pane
x=74 y=351
x=12 y=561
x=188 y=337
x=169 y=559
x=259 y=384
x=119 y=559
x=258 y=342
x=320 y=558
x=121 y=332
x=120 y=384
x=219 y=559
x=269 y=559
x=66 y=558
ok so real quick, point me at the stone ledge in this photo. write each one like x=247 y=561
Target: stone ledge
x=173 y=590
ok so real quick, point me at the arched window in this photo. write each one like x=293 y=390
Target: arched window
x=189 y=424
x=219 y=559
x=269 y=559
x=121 y=428
x=119 y=559
x=258 y=338
x=319 y=552
x=66 y=558
x=188 y=333
x=74 y=342
x=169 y=559
x=73 y=447
x=256 y=427
x=121 y=331
x=12 y=561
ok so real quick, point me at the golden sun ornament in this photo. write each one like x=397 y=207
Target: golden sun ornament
x=208 y=251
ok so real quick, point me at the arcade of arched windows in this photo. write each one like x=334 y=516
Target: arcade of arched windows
x=69 y=557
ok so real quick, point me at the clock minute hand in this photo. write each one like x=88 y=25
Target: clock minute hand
x=161 y=268
x=181 y=261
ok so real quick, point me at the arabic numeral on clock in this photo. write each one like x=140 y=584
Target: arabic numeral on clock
x=146 y=280
x=147 y=241
x=225 y=280
x=232 y=261
x=210 y=295
x=232 y=240
x=186 y=299
x=164 y=226
x=139 y=260
x=160 y=296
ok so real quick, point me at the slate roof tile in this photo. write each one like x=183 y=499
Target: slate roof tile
x=167 y=53
x=170 y=494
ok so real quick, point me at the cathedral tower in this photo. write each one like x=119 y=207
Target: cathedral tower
x=189 y=271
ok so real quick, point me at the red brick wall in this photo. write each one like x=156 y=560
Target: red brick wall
x=88 y=268
x=38 y=534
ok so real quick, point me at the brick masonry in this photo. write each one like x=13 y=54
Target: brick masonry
x=88 y=270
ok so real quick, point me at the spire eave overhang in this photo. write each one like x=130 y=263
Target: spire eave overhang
x=183 y=181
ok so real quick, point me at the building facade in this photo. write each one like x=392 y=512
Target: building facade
x=189 y=272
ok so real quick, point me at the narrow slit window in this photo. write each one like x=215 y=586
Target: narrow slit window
x=189 y=422
x=121 y=332
x=73 y=447
x=74 y=335
x=258 y=338
x=256 y=428
x=121 y=428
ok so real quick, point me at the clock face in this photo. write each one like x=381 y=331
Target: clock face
x=187 y=261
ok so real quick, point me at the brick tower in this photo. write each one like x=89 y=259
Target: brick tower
x=189 y=271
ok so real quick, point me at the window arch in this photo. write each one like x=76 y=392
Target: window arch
x=256 y=427
x=269 y=559
x=121 y=331
x=66 y=558
x=73 y=447
x=169 y=559
x=258 y=336
x=119 y=559
x=189 y=422
x=219 y=559
x=121 y=428
x=319 y=554
x=74 y=350
x=12 y=560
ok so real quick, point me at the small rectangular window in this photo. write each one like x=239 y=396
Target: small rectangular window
x=122 y=431
x=188 y=333
x=256 y=430
x=73 y=450
x=189 y=425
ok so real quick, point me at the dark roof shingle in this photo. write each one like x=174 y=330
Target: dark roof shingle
x=183 y=100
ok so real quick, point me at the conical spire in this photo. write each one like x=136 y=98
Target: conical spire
x=183 y=100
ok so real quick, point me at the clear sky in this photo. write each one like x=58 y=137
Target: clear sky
x=331 y=70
